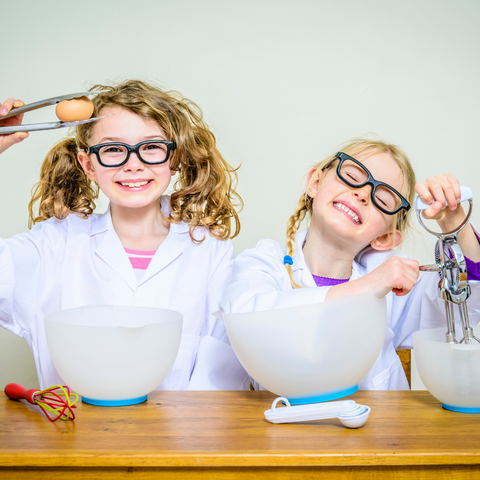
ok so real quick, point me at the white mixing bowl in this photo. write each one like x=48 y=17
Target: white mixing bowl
x=451 y=372
x=113 y=355
x=311 y=353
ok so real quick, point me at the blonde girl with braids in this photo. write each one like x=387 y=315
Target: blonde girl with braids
x=148 y=249
x=358 y=203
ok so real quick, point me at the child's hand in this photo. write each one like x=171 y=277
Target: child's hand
x=10 y=139
x=438 y=191
x=398 y=274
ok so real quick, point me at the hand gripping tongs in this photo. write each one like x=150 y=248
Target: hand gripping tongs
x=41 y=104
x=453 y=286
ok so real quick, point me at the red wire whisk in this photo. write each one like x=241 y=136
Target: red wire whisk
x=56 y=402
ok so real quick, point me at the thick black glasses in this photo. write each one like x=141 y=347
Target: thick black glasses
x=151 y=152
x=355 y=175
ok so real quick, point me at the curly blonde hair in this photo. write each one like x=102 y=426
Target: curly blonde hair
x=400 y=221
x=204 y=193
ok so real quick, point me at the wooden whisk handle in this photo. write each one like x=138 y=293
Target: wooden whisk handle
x=17 y=392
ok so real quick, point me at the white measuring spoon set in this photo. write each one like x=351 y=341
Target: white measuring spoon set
x=350 y=413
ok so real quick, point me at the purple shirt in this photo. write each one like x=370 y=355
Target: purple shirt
x=328 y=282
x=473 y=268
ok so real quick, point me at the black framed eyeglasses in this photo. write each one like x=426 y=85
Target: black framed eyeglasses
x=150 y=152
x=355 y=175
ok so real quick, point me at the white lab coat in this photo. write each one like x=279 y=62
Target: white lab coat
x=76 y=261
x=260 y=282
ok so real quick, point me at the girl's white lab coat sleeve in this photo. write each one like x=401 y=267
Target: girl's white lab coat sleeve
x=76 y=261
x=28 y=264
x=261 y=282
x=217 y=367
x=24 y=263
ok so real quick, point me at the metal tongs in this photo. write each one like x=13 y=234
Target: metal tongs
x=453 y=286
x=41 y=104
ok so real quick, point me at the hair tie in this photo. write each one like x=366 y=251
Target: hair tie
x=287 y=259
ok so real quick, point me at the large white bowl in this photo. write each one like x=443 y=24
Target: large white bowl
x=113 y=355
x=311 y=353
x=451 y=372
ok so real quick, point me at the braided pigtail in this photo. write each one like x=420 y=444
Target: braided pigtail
x=303 y=207
x=63 y=187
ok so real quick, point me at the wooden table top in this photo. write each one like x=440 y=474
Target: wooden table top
x=228 y=429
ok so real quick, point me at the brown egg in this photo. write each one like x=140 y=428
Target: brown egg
x=74 y=110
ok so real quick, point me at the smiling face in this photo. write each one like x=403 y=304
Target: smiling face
x=347 y=215
x=133 y=185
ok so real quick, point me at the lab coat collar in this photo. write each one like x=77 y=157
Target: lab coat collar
x=103 y=222
x=111 y=251
x=301 y=271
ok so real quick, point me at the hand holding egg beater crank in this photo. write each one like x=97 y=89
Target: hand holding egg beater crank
x=453 y=285
x=73 y=109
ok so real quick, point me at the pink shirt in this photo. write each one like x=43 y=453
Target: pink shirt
x=140 y=259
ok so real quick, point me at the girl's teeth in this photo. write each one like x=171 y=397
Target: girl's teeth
x=136 y=184
x=340 y=206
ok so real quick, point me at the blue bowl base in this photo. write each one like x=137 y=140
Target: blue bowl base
x=461 y=409
x=324 y=398
x=114 y=403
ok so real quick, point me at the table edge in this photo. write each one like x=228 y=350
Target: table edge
x=234 y=460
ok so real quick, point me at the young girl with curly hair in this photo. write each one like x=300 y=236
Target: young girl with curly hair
x=148 y=249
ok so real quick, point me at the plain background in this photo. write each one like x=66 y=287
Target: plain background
x=282 y=85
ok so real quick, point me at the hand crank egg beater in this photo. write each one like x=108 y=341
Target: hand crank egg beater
x=450 y=368
x=453 y=285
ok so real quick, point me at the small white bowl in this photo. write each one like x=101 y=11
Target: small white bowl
x=311 y=353
x=451 y=372
x=113 y=355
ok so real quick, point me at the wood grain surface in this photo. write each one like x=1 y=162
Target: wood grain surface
x=225 y=435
